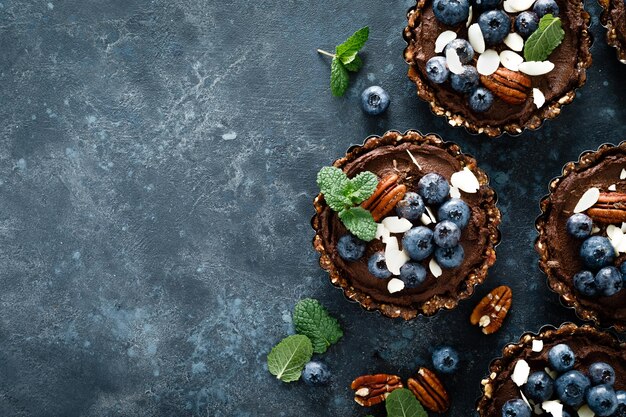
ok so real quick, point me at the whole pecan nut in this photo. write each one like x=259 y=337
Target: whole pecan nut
x=491 y=311
x=387 y=194
x=610 y=208
x=510 y=86
x=429 y=391
x=370 y=390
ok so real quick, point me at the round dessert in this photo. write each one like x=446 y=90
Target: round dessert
x=497 y=66
x=567 y=372
x=614 y=20
x=581 y=239
x=406 y=224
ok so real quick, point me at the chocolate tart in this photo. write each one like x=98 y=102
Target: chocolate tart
x=559 y=252
x=589 y=346
x=571 y=58
x=613 y=18
x=385 y=154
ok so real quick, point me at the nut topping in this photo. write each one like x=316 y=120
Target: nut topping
x=491 y=311
x=510 y=86
x=610 y=208
x=387 y=194
x=429 y=391
x=374 y=389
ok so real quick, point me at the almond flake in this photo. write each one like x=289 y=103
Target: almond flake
x=534 y=68
x=588 y=199
x=553 y=374
x=537 y=345
x=453 y=61
x=465 y=181
x=392 y=244
x=488 y=62
x=434 y=267
x=454 y=192
x=470 y=16
x=395 y=285
x=525 y=400
x=521 y=5
x=476 y=38
x=507 y=6
x=514 y=41
x=622 y=174
x=624 y=227
x=381 y=231
x=520 y=372
x=394 y=259
x=594 y=229
x=413 y=159
x=585 y=411
x=511 y=60
x=443 y=39
x=538 y=98
x=553 y=407
x=396 y=224
x=431 y=214
x=612 y=187
x=425 y=219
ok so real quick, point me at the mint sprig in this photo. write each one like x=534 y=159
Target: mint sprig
x=402 y=403
x=545 y=39
x=311 y=319
x=287 y=358
x=346 y=59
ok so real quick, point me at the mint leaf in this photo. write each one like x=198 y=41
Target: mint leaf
x=361 y=187
x=312 y=320
x=339 y=78
x=355 y=65
x=545 y=39
x=330 y=179
x=402 y=403
x=347 y=51
x=288 y=357
x=359 y=222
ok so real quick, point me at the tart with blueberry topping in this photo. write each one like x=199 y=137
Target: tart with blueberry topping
x=614 y=20
x=406 y=224
x=497 y=66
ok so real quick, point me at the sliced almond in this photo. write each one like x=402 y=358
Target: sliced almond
x=537 y=345
x=465 y=180
x=443 y=39
x=553 y=374
x=520 y=372
x=394 y=259
x=538 y=98
x=425 y=219
x=476 y=38
x=396 y=224
x=553 y=407
x=588 y=199
x=514 y=41
x=612 y=187
x=470 y=16
x=622 y=174
x=534 y=68
x=413 y=159
x=395 y=285
x=431 y=214
x=511 y=60
x=507 y=5
x=434 y=267
x=381 y=231
x=454 y=192
x=488 y=62
x=453 y=61
x=585 y=411
x=521 y=5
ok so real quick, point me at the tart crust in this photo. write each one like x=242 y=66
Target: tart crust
x=612 y=37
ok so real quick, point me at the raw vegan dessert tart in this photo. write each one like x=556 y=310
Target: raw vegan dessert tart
x=422 y=231
x=497 y=66
x=582 y=243
x=614 y=19
x=567 y=372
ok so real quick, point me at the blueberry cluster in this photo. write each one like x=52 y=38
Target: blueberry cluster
x=572 y=388
x=601 y=278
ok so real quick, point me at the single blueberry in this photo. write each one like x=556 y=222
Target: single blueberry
x=579 y=225
x=450 y=257
x=455 y=210
x=622 y=269
x=418 y=243
x=316 y=374
x=597 y=252
x=543 y=7
x=585 y=283
x=526 y=23
x=446 y=360
x=480 y=5
x=539 y=386
x=412 y=274
x=433 y=188
x=621 y=397
x=602 y=400
x=350 y=248
x=601 y=373
x=437 y=69
x=465 y=81
x=571 y=388
x=446 y=234
x=515 y=408
x=451 y=12
x=411 y=207
x=378 y=266
x=621 y=404
x=463 y=49
x=495 y=25
x=561 y=358
x=480 y=100
x=609 y=281
x=374 y=100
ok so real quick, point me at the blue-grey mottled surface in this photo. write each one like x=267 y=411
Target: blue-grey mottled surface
x=157 y=166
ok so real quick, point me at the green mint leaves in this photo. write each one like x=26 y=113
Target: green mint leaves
x=402 y=403
x=312 y=320
x=545 y=39
x=287 y=359
x=346 y=59
x=342 y=194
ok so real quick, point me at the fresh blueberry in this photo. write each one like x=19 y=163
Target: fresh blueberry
x=515 y=408
x=451 y=12
x=446 y=360
x=374 y=100
x=495 y=25
x=622 y=268
x=609 y=281
x=571 y=388
x=597 y=252
x=526 y=23
x=437 y=69
x=480 y=5
x=378 y=266
x=449 y=257
x=455 y=210
x=480 y=100
x=418 y=242
x=601 y=373
x=543 y=7
x=539 y=387
x=433 y=188
x=411 y=207
x=602 y=400
x=412 y=274
x=561 y=358
x=463 y=49
x=579 y=225
x=621 y=404
x=350 y=248
x=446 y=234
x=585 y=283
x=465 y=81
x=316 y=374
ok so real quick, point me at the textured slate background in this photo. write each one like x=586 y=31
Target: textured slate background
x=157 y=165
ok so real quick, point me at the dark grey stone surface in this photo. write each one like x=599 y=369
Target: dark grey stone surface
x=157 y=166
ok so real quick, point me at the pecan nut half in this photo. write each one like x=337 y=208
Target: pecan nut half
x=387 y=194
x=510 y=86
x=610 y=208
x=374 y=389
x=491 y=311
x=429 y=391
